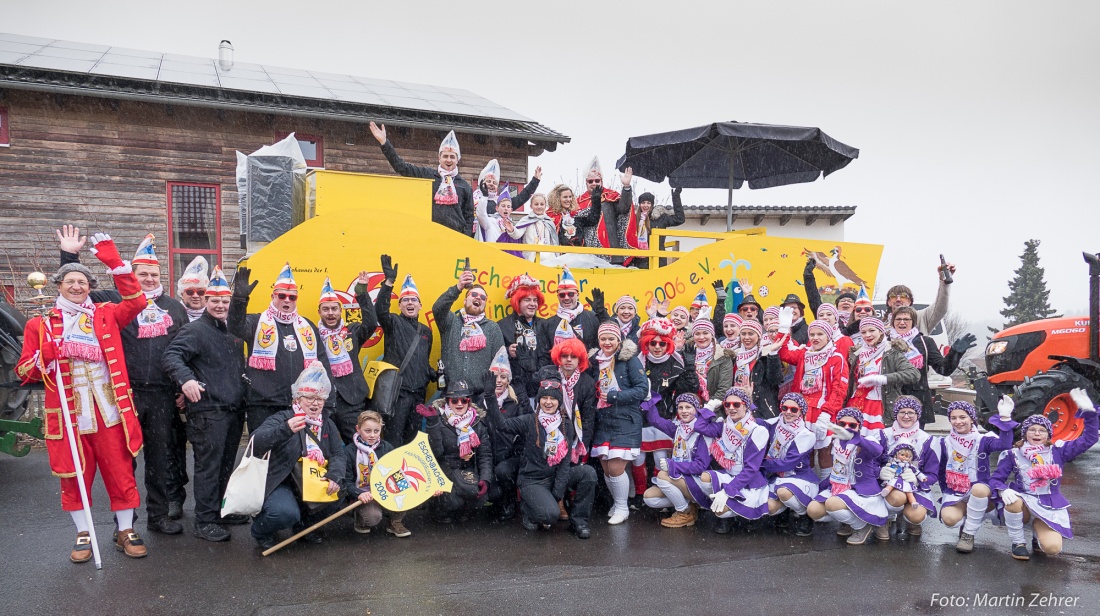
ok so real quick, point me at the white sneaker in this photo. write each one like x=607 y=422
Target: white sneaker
x=619 y=515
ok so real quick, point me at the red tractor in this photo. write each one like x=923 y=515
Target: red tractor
x=1038 y=363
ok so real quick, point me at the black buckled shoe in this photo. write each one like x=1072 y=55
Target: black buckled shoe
x=211 y=532
x=803 y=526
x=164 y=526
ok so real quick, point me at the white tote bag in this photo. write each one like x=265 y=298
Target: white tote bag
x=245 y=490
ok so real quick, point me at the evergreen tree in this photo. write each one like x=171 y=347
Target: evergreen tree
x=1028 y=298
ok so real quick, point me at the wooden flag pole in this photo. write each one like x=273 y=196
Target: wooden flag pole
x=309 y=530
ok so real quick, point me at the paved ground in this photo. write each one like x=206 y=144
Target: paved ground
x=487 y=568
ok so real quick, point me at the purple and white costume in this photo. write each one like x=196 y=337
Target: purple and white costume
x=929 y=465
x=690 y=457
x=739 y=447
x=965 y=460
x=788 y=462
x=1030 y=468
x=854 y=479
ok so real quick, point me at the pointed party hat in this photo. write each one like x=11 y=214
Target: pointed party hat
x=285 y=281
x=218 y=285
x=313 y=381
x=492 y=168
x=146 y=254
x=500 y=362
x=567 y=281
x=195 y=276
x=594 y=168
x=700 y=299
x=504 y=193
x=328 y=294
x=863 y=299
x=408 y=288
x=450 y=142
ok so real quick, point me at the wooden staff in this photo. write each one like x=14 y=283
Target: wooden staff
x=309 y=530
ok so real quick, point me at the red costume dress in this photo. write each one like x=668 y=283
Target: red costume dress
x=821 y=377
x=98 y=392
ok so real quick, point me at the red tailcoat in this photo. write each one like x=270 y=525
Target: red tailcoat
x=107 y=322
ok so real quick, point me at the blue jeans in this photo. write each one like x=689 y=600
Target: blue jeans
x=281 y=510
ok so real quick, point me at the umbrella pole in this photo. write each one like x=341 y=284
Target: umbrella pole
x=729 y=202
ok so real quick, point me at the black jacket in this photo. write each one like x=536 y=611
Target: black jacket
x=585 y=399
x=272 y=387
x=585 y=327
x=506 y=446
x=143 y=355
x=400 y=332
x=459 y=217
x=533 y=467
x=670 y=379
x=444 y=442
x=526 y=362
x=766 y=376
x=801 y=332
x=287 y=447
x=205 y=351
x=926 y=346
x=352 y=388
x=350 y=484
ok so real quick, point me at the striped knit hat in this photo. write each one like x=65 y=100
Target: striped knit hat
x=772 y=312
x=607 y=327
x=753 y=325
x=625 y=300
x=874 y=322
x=825 y=310
x=733 y=317
x=824 y=326
x=702 y=325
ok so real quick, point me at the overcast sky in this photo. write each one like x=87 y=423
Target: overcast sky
x=978 y=123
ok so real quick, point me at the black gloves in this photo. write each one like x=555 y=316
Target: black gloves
x=389 y=270
x=596 y=299
x=241 y=288
x=720 y=289
x=964 y=343
x=810 y=264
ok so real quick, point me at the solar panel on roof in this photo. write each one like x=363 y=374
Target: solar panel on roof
x=191 y=79
x=120 y=60
x=19 y=38
x=122 y=70
x=13 y=47
x=58 y=64
x=80 y=46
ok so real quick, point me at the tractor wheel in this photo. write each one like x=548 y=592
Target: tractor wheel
x=1047 y=394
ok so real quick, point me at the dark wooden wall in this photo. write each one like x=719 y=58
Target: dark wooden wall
x=104 y=164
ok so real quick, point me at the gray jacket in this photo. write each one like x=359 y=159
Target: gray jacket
x=458 y=365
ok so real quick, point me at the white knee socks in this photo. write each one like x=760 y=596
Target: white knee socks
x=620 y=490
x=657 y=502
x=975 y=513
x=125 y=518
x=795 y=506
x=672 y=494
x=1014 y=522
x=845 y=516
x=80 y=521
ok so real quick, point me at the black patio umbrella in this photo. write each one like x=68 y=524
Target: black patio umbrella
x=728 y=154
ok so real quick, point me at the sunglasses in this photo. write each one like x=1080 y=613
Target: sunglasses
x=199 y=292
x=592 y=181
x=458 y=400
x=569 y=357
x=733 y=405
x=567 y=294
x=658 y=343
x=898 y=296
x=864 y=310
x=848 y=424
x=792 y=408
x=548 y=384
x=480 y=296
x=292 y=298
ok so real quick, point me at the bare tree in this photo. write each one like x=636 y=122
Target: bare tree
x=955 y=326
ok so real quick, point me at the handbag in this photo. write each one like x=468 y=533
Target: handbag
x=244 y=494
x=387 y=382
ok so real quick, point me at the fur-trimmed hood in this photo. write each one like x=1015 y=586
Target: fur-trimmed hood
x=628 y=350
x=899 y=345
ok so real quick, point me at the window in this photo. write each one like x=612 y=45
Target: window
x=9 y=293
x=313 y=148
x=5 y=137
x=194 y=225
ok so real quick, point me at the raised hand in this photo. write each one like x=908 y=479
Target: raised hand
x=627 y=177
x=786 y=319
x=1005 y=406
x=241 y=286
x=538 y=173
x=810 y=264
x=596 y=299
x=69 y=238
x=364 y=278
x=746 y=286
x=1081 y=398
x=103 y=247
x=379 y=133
x=389 y=269
x=964 y=343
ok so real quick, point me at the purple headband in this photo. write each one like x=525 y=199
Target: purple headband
x=689 y=398
x=852 y=412
x=907 y=402
x=964 y=406
x=1036 y=420
x=740 y=393
x=798 y=399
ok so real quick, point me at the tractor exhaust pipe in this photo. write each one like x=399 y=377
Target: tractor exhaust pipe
x=1094 y=305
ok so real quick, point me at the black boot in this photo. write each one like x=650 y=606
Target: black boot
x=507 y=511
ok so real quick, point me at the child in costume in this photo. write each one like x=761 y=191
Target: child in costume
x=903 y=467
x=365 y=449
x=792 y=483
x=677 y=483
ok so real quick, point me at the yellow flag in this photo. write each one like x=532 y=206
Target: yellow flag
x=314 y=484
x=407 y=476
x=374 y=369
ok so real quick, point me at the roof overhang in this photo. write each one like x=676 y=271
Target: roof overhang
x=757 y=214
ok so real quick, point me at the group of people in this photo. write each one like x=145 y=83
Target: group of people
x=748 y=413
x=597 y=218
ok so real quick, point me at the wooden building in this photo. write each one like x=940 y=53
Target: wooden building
x=131 y=142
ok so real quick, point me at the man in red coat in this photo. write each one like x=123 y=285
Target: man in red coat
x=85 y=338
x=606 y=205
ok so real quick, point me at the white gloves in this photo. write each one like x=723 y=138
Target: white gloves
x=714 y=405
x=719 y=505
x=909 y=476
x=786 y=319
x=872 y=380
x=1005 y=406
x=843 y=434
x=663 y=464
x=1009 y=496
x=887 y=474
x=1081 y=399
